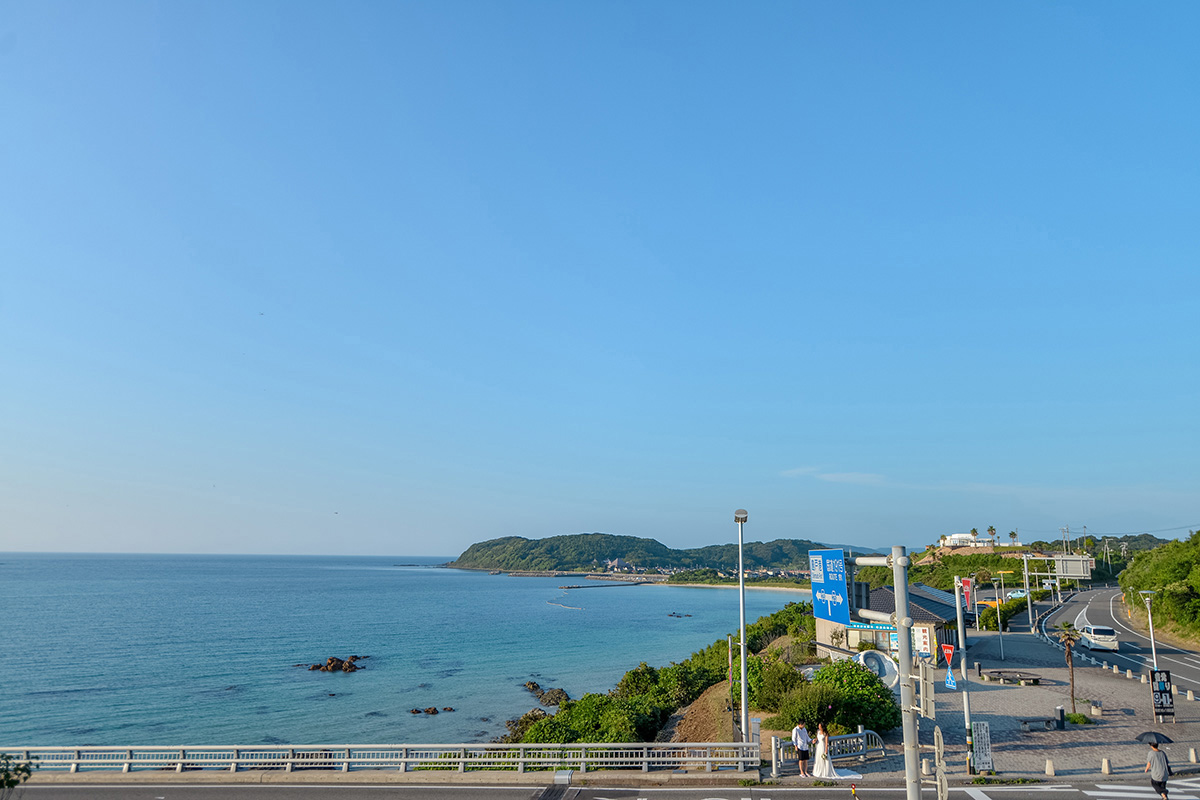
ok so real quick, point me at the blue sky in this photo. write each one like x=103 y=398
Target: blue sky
x=394 y=278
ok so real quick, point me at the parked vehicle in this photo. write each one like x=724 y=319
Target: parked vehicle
x=1095 y=637
x=1016 y=594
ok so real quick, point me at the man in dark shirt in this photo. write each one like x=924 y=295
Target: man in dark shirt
x=1159 y=769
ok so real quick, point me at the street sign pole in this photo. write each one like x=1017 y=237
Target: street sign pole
x=908 y=716
x=962 y=648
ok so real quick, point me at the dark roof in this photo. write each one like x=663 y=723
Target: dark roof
x=920 y=608
x=930 y=593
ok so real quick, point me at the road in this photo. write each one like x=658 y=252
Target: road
x=1103 y=607
x=1180 y=789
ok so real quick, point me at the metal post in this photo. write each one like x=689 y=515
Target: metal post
x=732 y=713
x=999 y=627
x=1150 y=616
x=1028 y=596
x=739 y=517
x=908 y=714
x=962 y=648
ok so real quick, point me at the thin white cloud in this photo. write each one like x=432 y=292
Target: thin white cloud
x=798 y=472
x=859 y=478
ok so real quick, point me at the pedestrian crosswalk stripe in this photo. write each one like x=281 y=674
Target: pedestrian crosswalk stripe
x=1113 y=791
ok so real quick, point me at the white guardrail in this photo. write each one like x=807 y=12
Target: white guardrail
x=402 y=758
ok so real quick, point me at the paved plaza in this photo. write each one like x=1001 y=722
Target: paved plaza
x=1076 y=752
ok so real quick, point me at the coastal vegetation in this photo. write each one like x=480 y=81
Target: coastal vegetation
x=588 y=551
x=645 y=697
x=1172 y=572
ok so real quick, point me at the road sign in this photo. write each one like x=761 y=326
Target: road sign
x=948 y=652
x=828 y=575
x=1160 y=684
x=981 y=741
x=925 y=703
x=1072 y=567
x=950 y=682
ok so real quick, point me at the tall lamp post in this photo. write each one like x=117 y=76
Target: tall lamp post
x=999 y=601
x=1153 y=650
x=739 y=517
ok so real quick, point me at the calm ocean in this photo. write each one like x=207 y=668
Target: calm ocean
x=194 y=650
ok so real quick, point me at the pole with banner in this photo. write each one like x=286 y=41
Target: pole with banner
x=1164 y=702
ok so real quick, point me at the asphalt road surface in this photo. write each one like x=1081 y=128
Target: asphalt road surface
x=1185 y=789
x=1103 y=607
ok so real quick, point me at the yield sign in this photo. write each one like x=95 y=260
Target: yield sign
x=948 y=651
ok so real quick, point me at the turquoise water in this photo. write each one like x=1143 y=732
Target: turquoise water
x=199 y=650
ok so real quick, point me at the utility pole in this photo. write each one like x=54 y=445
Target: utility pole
x=903 y=623
x=962 y=649
x=1065 y=531
x=1028 y=596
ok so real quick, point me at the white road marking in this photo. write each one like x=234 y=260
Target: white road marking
x=1118 y=790
x=1081 y=619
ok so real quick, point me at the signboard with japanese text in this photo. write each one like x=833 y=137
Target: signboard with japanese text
x=828 y=575
x=1164 y=700
x=981 y=737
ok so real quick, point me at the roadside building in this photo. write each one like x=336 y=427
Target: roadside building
x=934 y=622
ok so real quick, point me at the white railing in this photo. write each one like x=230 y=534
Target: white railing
x=860 y=744
x=402 y=758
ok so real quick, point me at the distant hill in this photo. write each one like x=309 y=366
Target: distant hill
x=582 y=551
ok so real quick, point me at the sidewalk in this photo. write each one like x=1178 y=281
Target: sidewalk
x=1076 y=751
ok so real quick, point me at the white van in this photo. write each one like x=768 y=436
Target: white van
x=1098 y=638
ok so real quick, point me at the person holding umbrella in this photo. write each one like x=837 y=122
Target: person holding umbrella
x=1157 y=764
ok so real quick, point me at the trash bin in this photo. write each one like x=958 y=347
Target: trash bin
x=1061 y=722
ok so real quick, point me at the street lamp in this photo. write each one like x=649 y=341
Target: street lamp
x=739 y=517
x=1146 y=599
x=999 y=600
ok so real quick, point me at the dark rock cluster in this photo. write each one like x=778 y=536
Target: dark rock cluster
x=430 y=710
x=550 y=697
x=335 y=664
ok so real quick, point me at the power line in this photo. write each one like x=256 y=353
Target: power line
x=1129 y=533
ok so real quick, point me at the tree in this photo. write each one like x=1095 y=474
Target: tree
x=1069 y=636
x=974 y=533
x=12 y=774
x=992 y=534
x=1012 y=535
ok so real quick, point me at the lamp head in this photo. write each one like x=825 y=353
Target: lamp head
x=740 y=515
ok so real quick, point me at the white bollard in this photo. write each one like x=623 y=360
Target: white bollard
x=1174 y=688
x=1128 y=673
x=1190 y=695
x=1050 y=768
x=1116 y=670
x=1105 y=667
x=1143 y=677
x=924 y=764
x=1105 y=766
x=1192 y=754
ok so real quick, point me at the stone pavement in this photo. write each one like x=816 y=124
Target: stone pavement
x=1076 y=751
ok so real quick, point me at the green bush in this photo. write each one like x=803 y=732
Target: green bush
x=809 y=703
x=779 y=678
x=1080 y=719
x=865 y=699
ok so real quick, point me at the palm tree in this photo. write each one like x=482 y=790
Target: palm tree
x=1068 y=635
x=1013 y=536
x=992 y=534
x=974 y=533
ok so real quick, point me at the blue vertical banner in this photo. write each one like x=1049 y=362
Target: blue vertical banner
x=828 y=570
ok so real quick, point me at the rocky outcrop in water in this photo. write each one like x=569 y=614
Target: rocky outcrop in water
x=335 y=664
x=547 y=697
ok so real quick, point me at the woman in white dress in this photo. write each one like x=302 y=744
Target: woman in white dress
x=823 y=765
